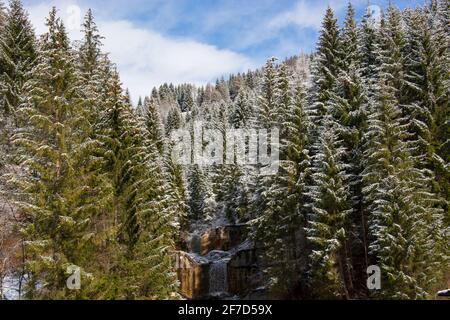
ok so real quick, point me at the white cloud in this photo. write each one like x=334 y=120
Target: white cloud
x=304 y=15
x=146 y=58
x=307 y=14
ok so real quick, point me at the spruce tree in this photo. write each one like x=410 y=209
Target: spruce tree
x=325 y=67
x=391 y=53
x=267 y=119
x=407 y=239
x=241 y=115
x=282 y=229
x=54 y=153
x=153 y=124
x=199 y=195
x=18 y=47
x=174 y=120
x=349 y=40
x=90 y=50
x=283 y=104
x=141 y=220
x=348 y=106
x=368 y=41
x=177 y=190
x=268 y=98
x=328 y=219
x=428 y=101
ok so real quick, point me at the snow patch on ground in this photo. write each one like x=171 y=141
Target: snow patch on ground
x=10 y=288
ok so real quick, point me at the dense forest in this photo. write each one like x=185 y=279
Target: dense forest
x=89 y=179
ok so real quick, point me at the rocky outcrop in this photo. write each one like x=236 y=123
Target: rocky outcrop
x=222 y=238
x=243 y=271
x=221 y=264
x=192 y=272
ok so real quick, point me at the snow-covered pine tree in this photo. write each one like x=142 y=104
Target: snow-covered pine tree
x=349 y=40
x=91 y=63
x=233 y=192
x=391 y=53
x=241 y=115
x=428 y=99
x=325 y=69
x=140 y=218
x=158 y=221
x=199 y=195
x=139 y=111
x=328 y=219
x=186 y=100
x=174 y=120
x=177 y=189
x=90 y=49
x=121 y=140
x=407 y=238
x=266 y=119
x=54 y=151
x=237 y=197
x=153 y=124
x=283 y=104
x=348 y=106
x=368 y=40
x=217 y=117
x=18 y=47
x=284 y=229
x=267 y=101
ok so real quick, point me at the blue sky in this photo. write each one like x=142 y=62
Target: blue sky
x=157 y=41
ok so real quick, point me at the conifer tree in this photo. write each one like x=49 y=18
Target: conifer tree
x=268 y=99
x=349 y=40
x=391 y=53
x=141 y=220
x=368 y=41
x=174 y=120
x=283 y=104
x=267 y=120
x=241 y=115
x=199 y=194
x=282 y=229
x=93 y=65
x=153 y=124
x=328 y=221
x=18 y=47
x=427 y=90
x=348 y=106
x=407 y=239
x=177 y=190
x=325 y=67
x=158 y=221
x=121 y=141
x=90 y=49
x=54 y=149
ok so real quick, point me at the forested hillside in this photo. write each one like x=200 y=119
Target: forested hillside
x=90 y=179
